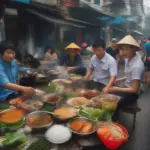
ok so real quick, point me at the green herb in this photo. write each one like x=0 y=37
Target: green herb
x=95 y=114
x=71 y=94
x=41 y=144
x=12 y=127
x=48 y=107
x=54 y=88
x=3 y=107
x=14 y=139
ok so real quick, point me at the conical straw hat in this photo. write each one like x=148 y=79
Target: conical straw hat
x=72 y=46
x=129 y=40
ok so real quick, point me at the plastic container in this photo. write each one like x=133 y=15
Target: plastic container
x=110 y=103
x=112 y=144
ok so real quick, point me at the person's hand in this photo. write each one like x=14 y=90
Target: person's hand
x=116 y=81
x=28 y=90
x=85 y=78
x=112 y=89
x=70 y=69
x=105 y=90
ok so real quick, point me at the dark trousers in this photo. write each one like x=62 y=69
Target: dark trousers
x=126 y=99
x=80 y=71
x=94 y=85
x=147 y=64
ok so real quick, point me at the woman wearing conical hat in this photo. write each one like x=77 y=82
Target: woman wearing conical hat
x=134 y=70
x=72 y=60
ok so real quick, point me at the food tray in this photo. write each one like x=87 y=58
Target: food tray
x=31 y=105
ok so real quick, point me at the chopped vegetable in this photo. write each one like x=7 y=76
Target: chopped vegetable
x=71 y=94
x=55 y=88
x=13 y=140
x=3 y=107
x=95 y=114
x=12 y=127
x=48 y=107
x=41 y=144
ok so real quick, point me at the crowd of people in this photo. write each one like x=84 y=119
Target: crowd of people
x=101 y=73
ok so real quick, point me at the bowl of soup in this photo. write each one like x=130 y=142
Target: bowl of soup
x=65 y=112
x=39 y=119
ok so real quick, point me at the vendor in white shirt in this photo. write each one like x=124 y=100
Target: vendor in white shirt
x=102 y=67
x=134 y=70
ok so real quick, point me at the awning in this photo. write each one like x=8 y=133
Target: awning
x=137 y=32
x=53 y=19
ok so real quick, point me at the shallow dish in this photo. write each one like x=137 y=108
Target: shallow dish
x=78 y=102
x=52 y=99
x=41 y=115
x=31 y=105
x=64 y=110
x=82 y=119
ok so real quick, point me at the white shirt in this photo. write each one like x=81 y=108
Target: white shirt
x=103 y=69
x=141 y=54
x=134 y=70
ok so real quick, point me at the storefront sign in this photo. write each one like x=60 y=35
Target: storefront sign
x=71 y=3
x=21 y=1
x=47 y=2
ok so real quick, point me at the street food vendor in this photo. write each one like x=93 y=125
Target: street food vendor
x=72 y=60
x=134 y=71
x=103 y=68
x=9 y=73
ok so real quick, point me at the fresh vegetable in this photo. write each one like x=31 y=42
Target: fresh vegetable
x=95 y=114
x=71 y=94
x=48 y=107
x=55 y=88
x=41 y=144
x=12 y=140
x=12 y=127
x=3 y=107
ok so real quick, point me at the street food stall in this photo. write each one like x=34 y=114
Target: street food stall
x=61 y=115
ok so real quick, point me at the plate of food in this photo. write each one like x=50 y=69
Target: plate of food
x=91 y=93
x=12 y=115
x=62 y=81
x=82 y=126
x=52 y=98
x=12 y=127
x=17 y=101
x=78 y=102
x=31 y=105
x=39 y=119
x=65 y=112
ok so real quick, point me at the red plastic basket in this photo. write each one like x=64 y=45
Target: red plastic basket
x=111 y=144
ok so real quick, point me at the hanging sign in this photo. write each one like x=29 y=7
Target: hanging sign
x=71 y=3
x=21 y=1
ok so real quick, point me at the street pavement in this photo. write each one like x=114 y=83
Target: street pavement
x=140 y=137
